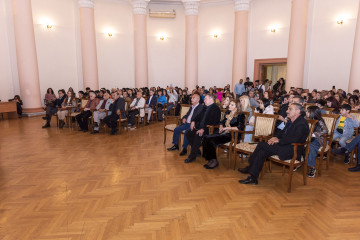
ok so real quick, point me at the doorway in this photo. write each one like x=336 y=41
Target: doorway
x=272 y=69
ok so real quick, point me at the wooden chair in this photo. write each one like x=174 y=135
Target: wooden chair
x=74 y=111
x=171 y=122
x=329 y=110
x=123 y=121
x=293 y=162
x=356 y=113
x=230 y=145
x=325 y=149
x=264 y=125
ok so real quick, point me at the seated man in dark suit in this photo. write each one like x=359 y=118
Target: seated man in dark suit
x=90 y=106
x=117 y=107
x=211 y=116
x=296 y=131
x=194 y=114
x=150 y=105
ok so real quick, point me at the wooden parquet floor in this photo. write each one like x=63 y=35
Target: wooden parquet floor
x=64 y=184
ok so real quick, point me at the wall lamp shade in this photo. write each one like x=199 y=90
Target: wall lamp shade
x=340 y=21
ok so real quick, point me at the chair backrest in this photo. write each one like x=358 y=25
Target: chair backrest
x=330 y=121
x=223 y=110
x=308 y=105
x=84 y=102
x=312 y=124
x=356 y=114
x=264 y=124
x=329 y=110
x=126 y=106
x=184 y=109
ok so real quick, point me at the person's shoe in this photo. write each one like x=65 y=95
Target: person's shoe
x=189 y=160
x=173 y=148
x=212 y=164
x=183 y=152
x=44 y=118
x=147 y=123
x=244 y=170
x=113 y=131
x=81 y=130
x=347 y=158
x=311 y=172
x=249 y=180
x=296 y=168
x=94 y=132
x=354 y=169
x=132 y=127
x=339 y=151
x=61 y=125
x=85 y=130
x=46 y=125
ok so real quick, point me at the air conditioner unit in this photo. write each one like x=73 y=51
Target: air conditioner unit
x=162 y=14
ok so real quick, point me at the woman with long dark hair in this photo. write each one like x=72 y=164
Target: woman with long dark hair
x=234 y=120
x=331 y=102
x=49 y=96
x=317 y=140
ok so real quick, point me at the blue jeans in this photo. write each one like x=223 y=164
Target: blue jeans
x=170 y=106
x=355 y=142
x=248 y=137
x=314 y=148
x=178 y=131
x=342 y=140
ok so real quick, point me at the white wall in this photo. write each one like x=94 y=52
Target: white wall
x=166 y=58
x=56 y=50
x=216 y=54
x=115 y=54
x=263 y=43
x=330 y=52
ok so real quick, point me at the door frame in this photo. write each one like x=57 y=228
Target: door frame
x=258 y=63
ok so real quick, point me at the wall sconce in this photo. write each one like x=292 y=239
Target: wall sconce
x=109 y=33
x=49 y=26
x=215 y=34
x=272 y=30
x=162 y=36
x=340 y=21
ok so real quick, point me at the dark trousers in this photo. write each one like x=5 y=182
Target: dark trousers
x=132 y=114
x=194 y=141
x=160 y=112
x=49 y=112
x=210 y=142
x=82 y=119
x=19 y=108
x=261 y=153
x=177 y=109
x=111 y=121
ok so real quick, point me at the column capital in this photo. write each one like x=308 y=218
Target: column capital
x=191 y=7
x=86 y=3
x=139 y=6
x=242 y=5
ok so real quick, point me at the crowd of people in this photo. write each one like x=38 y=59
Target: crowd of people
x=206 y=109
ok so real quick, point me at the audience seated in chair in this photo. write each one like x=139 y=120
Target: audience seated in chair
x=194 y=114
x=117 y=109
x=83 y=118
x=233 y=120
x=198 y=130
x=150 y=105
x=296 y=131
x=67 y=104
x=101 y=111
x=51 y=107
x=160 y=105
x=136 y=107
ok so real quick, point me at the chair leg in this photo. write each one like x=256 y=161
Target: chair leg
x=270 y=165
x=290 y=177
x=304 y=174
x=283 y=171
x=164 y=136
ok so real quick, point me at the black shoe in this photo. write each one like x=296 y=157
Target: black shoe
x=212 y=164
x=189 y=160
x=183 y=152
x=46 y=125
x=347 y=158
x=354 y=169
x=113 y=131
x=85 y=130
x=173 y=148
x=244 y=170
x=94 y=132
x=147 y=123
x=81 y=130
x=249 y=180
x=44 y=118
x=339 y=151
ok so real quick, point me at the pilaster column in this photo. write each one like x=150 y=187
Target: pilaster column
x=354 y=82
x=191 y=43
x=88 y=44
x=140 y=38
x=26 y=55
x=240 y=41
x=297 y=44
